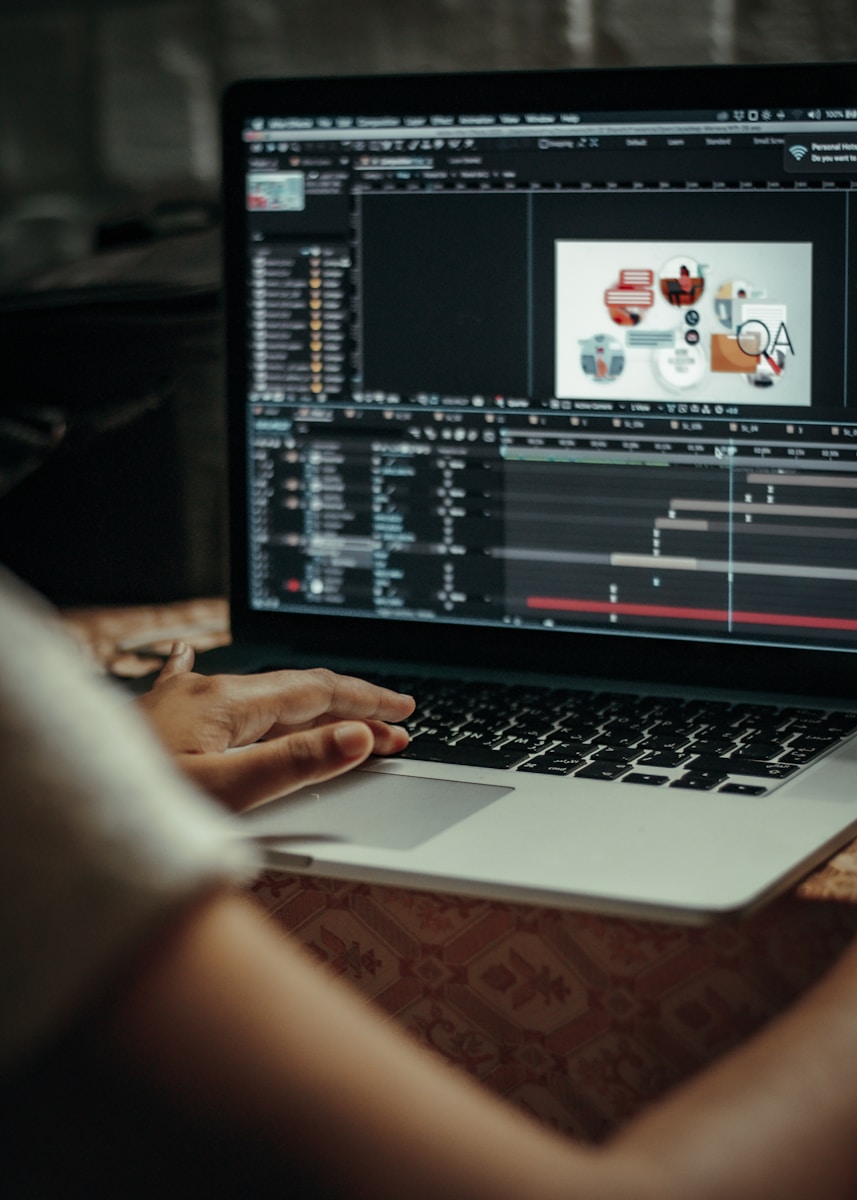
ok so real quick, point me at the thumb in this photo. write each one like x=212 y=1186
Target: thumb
x=253 y=774
x=179 y=662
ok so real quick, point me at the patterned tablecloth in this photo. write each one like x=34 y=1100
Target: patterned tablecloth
x=580 y=1019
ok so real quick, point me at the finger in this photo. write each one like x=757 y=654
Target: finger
x=280 y=701
x=179 y=662
x=318 y=693
x=389 y=739
x=266 y=770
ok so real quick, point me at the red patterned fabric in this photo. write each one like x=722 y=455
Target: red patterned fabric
x=579 y=1019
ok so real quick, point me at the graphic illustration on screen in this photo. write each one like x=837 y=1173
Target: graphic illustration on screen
x=602 y=357
x=715 y=322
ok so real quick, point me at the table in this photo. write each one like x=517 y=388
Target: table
x=580 y=1019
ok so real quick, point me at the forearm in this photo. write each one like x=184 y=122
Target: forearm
x=229 y=1018
x=243 y=1029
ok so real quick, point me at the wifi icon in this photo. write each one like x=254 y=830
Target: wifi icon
x=797 y=152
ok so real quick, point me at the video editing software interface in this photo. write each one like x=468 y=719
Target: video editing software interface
x=583 y=371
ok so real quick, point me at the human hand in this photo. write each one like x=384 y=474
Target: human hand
x=292 y=727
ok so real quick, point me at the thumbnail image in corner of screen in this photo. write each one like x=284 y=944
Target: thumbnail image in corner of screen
x=718 y=323
x=276 y=191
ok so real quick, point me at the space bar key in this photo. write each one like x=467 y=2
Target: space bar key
x=463 y=754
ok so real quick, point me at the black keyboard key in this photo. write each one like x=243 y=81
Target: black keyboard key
x=559 y=763
x=663 y=758
x=663 y=741
x=481 y=724
x=532 y=735
x=764 y=751
x=765 y=770
x=746 y=711
x=464 y=754
x=743 y=789
x=613 y=754
x=618 y=741
x=645 y=777
x=571 y=746
x=623 y=727
x=815 y=745
x=520 y=748
x=699 y=781
x=603 y=770
x=716 y=746
x=797 y=758
x=543 y=766
x=579 y=727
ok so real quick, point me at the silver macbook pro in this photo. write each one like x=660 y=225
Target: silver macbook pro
x=543 y=407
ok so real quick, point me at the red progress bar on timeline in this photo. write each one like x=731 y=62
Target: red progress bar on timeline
x=721 y=615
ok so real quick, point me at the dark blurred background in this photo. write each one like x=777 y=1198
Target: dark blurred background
x=111 y=425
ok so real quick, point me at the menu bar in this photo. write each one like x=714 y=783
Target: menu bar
x=500 y=124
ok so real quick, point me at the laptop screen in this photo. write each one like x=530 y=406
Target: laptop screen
x=569 y=352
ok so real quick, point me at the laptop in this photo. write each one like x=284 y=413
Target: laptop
x=542 y=398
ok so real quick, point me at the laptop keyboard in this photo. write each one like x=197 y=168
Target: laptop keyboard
x=661 y=741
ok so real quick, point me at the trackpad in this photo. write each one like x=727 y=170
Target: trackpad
x=369 y=809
